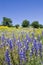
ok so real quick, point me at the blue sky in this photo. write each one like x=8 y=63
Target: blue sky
x=18 y=10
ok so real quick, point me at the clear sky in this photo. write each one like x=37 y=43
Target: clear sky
x=18 y=10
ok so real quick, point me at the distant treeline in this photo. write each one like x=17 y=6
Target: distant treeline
x=25 y=23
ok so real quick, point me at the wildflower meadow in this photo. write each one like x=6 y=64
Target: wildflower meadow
x=23 y=46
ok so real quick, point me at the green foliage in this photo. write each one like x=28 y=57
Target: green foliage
x=17 y=26
x=41 y=26
x=25 y=23
x=7 y=22
x=35 y=24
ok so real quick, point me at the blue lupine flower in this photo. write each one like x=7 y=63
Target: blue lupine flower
x=26 y=44
x=42 y=33
x=34 y=43
x=19 y=44
x=22 y=54
x=10 y=44
x=32 y=50
x=28 y=38
x=35 y=47
x=3 y=37
x=40 y=49
x=24 y=49
x=7 y=58
x=7 y=40
x=40 y=46
x=13 y=38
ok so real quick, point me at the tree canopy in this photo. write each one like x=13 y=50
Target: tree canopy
x=25 y=23
x=6 y=21
x=35 y=24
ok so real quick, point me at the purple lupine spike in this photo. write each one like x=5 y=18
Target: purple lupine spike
x=34 y=43
x=22 y=54
x=40 y=49
x=3 y=38
x=40 y=46
x=36 y=50
x=42 y=33
x=26 y=45
x=35 y=47
x=28 y=38
x=24 y=49
x=10 y=44
x=32 y=51
x=7 y=58
x=7 y=40
x=13 y=36
x=19 y=43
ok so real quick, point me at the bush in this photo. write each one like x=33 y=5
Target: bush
x=17 y=26
x=25 y=23
x=35 y=24
x=41 y=26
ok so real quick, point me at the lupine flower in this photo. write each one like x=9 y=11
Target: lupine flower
x=23 y=48
x=32 y=51
x=7 y=40
x=10 y=44
x=28 y=39
x=3 y=38
x=26 y=45
x=40 y=49
x=7 y=58
x=35 y=47
x=40 y=46
x=42 y=33
x=13 y=38
x=19 y=43
x=22 y=54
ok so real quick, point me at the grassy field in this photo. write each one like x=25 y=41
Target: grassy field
x=11 y=37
